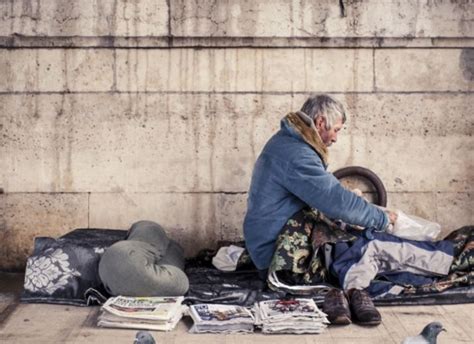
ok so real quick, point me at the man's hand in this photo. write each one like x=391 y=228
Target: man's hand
x=392 y=216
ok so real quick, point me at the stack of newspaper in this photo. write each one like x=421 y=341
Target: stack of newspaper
x=221 y=319
x=149 y=313
x=290 y=316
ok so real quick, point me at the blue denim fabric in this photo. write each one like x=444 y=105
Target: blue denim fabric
x=288 y=176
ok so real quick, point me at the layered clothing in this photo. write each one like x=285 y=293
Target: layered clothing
x=291 y=174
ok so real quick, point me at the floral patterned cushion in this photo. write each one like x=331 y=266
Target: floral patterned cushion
x=65 y=270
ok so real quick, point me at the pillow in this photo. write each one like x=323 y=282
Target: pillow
x=137 y=268
x=65 y=270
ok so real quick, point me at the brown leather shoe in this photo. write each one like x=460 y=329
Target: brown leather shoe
x=336 y=307
x=363 y=309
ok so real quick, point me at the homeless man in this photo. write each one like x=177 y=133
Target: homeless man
x=293 y=202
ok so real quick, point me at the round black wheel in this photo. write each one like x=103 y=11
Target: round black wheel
x=366 y=174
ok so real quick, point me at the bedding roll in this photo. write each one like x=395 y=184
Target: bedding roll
x=148 y=263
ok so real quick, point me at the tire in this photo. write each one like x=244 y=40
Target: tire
x=357 y=171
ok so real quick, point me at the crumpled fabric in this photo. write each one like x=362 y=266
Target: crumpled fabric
x=227 y=258
x=461 y=271
x=398 y=260
x=244 y=288
x=300 y=258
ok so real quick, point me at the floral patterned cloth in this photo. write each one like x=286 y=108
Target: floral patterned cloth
x=298 y=257
x=49 y=272
x=64 y=270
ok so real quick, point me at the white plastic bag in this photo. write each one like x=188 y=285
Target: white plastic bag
x=414 y=228
x=227 y=257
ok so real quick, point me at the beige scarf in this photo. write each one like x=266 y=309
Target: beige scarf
x=305 y=127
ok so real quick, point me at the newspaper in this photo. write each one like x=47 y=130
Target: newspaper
x=107 y=319
x=290 y=316
x=221 y=319
x=160 y=308
x=153 y=313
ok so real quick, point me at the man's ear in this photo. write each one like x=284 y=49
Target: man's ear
x=320 y=122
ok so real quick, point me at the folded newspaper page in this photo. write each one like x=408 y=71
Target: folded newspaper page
x=158 y=308
x=221 y=319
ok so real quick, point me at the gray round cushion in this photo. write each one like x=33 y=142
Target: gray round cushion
x=146 y=264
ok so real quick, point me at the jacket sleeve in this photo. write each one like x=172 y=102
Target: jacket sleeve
x=307 y=179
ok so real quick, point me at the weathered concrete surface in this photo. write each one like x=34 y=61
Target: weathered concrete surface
x=28 y=215
x=424 y=115
x=44 y=70
x=244 y=70
x=141 y=42
x=424 y=70
x=200 y=143
x=62 y=321
x=322 y=18
x=105 y=142
x=240 y=18
x=87 y=18
x=416 y=163
x=455 y=210
x=436 y=207
x=78 y=325
x=422 y=204
x=56 y=70
x=236 y=70
x=196 y=220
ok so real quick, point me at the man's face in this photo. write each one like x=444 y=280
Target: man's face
x=328 y=136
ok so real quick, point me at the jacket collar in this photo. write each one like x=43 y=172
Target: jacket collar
x=302 y=126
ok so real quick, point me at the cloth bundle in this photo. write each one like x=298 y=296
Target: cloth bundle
x=148 y=263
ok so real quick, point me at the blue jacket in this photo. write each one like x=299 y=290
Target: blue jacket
x=288 y=176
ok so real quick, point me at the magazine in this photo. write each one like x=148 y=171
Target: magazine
x=221 y=318
x=152 y=313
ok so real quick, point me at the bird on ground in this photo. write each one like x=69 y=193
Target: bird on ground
x=427 y=336
x=144 y=337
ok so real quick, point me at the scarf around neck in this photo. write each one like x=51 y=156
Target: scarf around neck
x=304 y=126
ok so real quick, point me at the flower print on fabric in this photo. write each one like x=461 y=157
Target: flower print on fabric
x=49 y=272
x=297 y=251
x=99 y=250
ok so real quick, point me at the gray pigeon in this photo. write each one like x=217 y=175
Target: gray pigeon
x=144 y=337
x=427 y=336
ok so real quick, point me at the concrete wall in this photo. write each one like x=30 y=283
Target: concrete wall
x=116 y=111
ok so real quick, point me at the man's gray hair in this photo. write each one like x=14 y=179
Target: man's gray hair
x=325 y=106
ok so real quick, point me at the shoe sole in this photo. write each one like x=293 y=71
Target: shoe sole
x=369 y=323
x=341 y=320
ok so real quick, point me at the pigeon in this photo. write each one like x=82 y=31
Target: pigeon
x=144 y=337
x=427 y=336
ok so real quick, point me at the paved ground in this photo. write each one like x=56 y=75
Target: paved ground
x=40 y=323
